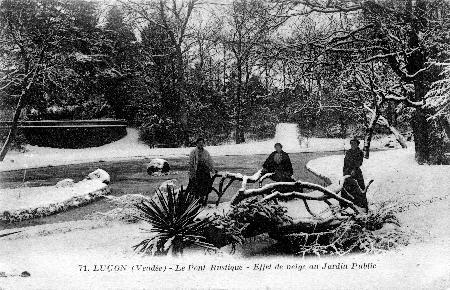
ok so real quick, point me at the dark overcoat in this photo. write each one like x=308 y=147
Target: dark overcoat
x=285 y=165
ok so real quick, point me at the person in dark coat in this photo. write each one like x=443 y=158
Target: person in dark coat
x=201 y=169
x=280 y=164
x=352 y=166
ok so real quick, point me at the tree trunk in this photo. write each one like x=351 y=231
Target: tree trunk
x=429 y=145
x=13 y=130
x=428 y=133
x=369 y=132
x=239 y=137
x=343 y=128
x=28 y=81
x=182 y=96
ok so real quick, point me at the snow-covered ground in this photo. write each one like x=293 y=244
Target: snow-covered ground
x=130 y=147
x=395 y=173
x=57 y=250
x=54 y=263
x=425 y=190
x=52 y=254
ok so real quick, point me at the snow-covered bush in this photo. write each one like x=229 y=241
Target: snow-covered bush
x=160 y=132
x=247 y=219
x=158 y=165
x=100 y=175
x=30 y=213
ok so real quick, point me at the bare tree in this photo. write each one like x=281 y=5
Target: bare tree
x=247 y=24
x=24 y=47
x=174 y=18
x=400 y=36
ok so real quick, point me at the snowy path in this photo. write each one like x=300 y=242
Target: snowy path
x=130 y=147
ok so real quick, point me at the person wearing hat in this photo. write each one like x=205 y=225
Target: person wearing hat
x=201 y=167
x=280 y=164
x=352 y=166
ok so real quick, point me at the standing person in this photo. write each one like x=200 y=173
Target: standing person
x=200 y=168
x=352 y=166
x=280 y=164
x=353 y=161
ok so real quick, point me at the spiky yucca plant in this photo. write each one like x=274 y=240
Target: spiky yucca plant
x=172 y=216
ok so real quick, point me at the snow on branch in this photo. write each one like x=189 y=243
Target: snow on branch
x=384 y=122
x=438 y=97
x=399 y=98
x=319 y=193
x=328 y=6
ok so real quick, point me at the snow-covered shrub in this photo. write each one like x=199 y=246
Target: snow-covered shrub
x=161 y=132
x=101 y=175
x=248 y=218
x=158 y=165
x=334 y=131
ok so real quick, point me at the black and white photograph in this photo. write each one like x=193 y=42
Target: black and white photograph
x=224 y=144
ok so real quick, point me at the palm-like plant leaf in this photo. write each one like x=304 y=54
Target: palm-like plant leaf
x=173 y=219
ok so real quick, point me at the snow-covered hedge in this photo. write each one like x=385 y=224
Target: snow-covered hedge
x=52 y=208
x=17 y=204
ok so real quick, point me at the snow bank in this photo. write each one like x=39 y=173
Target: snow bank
x=31 y=202
x=395 y=173
x=130 y=147
x=424 y=190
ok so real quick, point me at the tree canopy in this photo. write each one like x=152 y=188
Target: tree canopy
x=180 y=69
